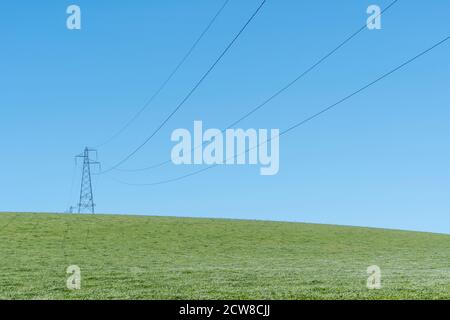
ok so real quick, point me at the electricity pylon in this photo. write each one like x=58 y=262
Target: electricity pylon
x=86 y=203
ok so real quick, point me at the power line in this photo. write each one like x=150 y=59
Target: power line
x=166 y=81
x=190 y=92
x=276 y=94
x=298 y=124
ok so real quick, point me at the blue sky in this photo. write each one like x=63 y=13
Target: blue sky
x=381 y=159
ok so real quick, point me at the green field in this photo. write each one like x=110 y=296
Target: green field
x=132 y=257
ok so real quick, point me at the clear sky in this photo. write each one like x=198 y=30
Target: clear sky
x=381 y=159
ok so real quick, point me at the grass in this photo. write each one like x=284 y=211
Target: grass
x=131 y=257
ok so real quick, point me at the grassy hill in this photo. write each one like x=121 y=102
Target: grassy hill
x=177 y=258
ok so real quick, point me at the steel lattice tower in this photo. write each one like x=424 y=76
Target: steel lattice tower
x=86 y=203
